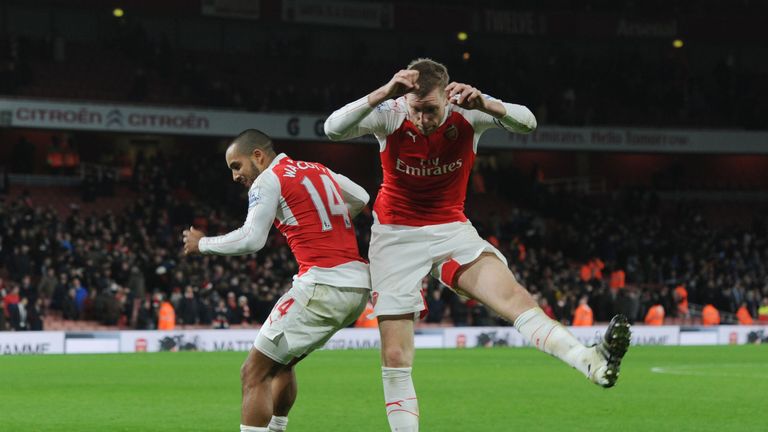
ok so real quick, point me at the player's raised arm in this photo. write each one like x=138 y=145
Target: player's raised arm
x=372 y=113
x=354 y=195
x=262 y=207
x=490 y=112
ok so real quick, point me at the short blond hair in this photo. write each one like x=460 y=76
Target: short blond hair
x=431 y=75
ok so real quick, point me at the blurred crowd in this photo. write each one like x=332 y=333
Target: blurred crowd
x=625 y=253
x=613 y=83
x=119 y=269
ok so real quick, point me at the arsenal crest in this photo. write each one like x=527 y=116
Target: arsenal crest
x=451 y=133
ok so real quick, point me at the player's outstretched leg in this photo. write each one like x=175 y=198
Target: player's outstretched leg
x=488 y=280
x=397 y=358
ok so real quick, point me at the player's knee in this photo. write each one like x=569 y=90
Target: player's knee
x=395 y=356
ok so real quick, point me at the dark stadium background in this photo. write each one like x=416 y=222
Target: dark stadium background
x=684 y=205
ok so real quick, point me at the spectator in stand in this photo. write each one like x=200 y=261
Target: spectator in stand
x=263 y=304
x=69 y=310
x=18 y=315
x=583 y=316
x=762 y=313
x=544 y=305
x=36 y=316
x=27 y=289
x=710 y=316
x=233 y=312
x=81 y=295
x=206 y=313
x=459 y=310
x=221 y=315
x=743 y=316
x=435 y=306
x=47 y=285
x=188 y=307
x=59 y=292
x=618 y=279
x=681 y=299
x=166 y=316
x=243 y=310
x=147 y=316
x=563 y=309
x=112 y=307
x=655 y=315
x=11 y=298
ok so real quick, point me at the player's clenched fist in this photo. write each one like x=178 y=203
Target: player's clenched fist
x=401 y=83
x=191 y=238
x=465 y=96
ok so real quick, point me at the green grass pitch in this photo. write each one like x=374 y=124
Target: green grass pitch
x=501 y=389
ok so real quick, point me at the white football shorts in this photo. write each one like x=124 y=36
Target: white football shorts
x=306 y=317
x=401 y=256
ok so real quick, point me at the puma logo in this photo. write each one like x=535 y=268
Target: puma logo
x=451 y=133
x=412 y=135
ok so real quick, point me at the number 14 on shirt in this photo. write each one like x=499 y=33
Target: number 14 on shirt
x=332 y=197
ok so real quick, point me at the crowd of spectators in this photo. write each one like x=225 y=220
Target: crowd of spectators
x=119 y=268
x=98 y=266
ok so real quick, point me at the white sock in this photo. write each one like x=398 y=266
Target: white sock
x=278 y=424
x=400 y=398
x=244 y=428
x=552 y=338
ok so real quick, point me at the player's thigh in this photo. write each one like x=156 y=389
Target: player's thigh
x=491 y=282
x=306 y=318
x=399 y=261
x=456 y=246
x=357 y=302
x=332 y=309
x=272 y=340
x=291 y=327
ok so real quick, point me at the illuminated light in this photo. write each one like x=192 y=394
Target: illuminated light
x=465 y=56
x=118 y=13
x=462 y=36
x=677 y=43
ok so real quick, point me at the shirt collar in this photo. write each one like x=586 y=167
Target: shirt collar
x=276 y=160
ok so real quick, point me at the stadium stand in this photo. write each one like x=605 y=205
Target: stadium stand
x=125 y=252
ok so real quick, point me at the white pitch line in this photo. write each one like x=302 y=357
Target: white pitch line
x=685 y=370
